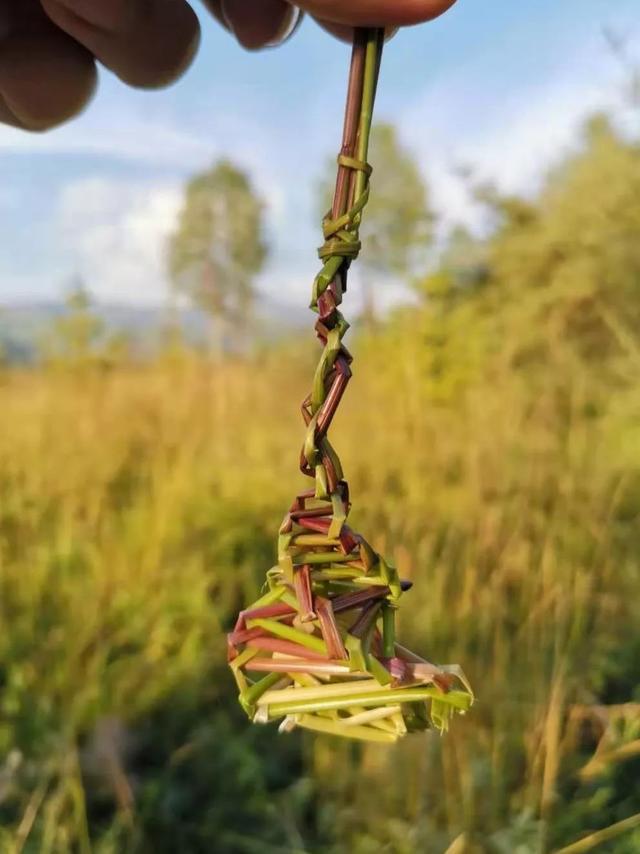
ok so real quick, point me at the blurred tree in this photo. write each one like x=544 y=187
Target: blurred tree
x=569 y=261
x=397 y=231
x=619 y=44
x=119 y=348
x=172 y=346
x=462 y=267
x=4 y=348
x=75 y=337
x=218 y=247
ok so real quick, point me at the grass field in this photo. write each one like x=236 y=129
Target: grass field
x=138 y=509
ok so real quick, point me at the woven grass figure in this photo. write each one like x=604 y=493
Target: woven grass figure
x=318 y=650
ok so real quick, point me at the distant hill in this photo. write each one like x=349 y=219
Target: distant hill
x=23 y=325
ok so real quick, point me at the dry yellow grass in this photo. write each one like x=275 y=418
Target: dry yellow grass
x=138 y=506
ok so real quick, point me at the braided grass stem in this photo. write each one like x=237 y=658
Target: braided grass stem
x=319 y=650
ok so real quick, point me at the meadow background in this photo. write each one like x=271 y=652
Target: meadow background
x=490 y=437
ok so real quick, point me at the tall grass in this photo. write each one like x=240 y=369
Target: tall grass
x=138 y=507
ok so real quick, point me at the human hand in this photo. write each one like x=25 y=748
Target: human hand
x=49 y=48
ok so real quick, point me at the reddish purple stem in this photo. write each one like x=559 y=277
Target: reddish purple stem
x=302 y=584
x=330 y=631
x=354 y=600
x=286 y=647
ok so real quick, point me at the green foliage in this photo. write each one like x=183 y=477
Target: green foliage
x=397 y=230
x=218 y=246
x=573 y=255
x=75 y=338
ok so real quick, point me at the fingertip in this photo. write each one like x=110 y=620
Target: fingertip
x=260 y=23
x=147 y=45
x=164 y=65
x=45 y=80
x=215 y=7
x=166 y=54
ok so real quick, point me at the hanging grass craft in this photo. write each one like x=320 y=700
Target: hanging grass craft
x=318 y=650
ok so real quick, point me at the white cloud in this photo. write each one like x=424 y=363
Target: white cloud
x=117 y=234
x=127 y=135
x=506 y=137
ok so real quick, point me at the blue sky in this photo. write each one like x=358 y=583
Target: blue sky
x=498 y=86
